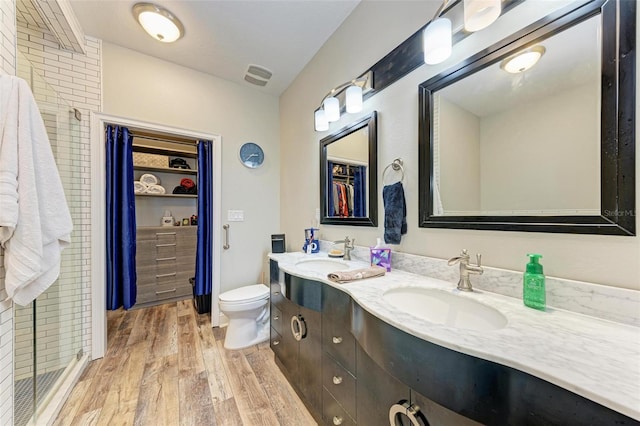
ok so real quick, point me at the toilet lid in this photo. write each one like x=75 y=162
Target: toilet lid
x=247 y=293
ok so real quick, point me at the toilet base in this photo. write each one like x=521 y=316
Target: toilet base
x=242 y=333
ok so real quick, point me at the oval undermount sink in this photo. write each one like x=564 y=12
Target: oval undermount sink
x=444 y=308
x=322 y=266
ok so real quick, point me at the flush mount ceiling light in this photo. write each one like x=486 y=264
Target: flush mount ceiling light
x=479 y=14
x=158 y=22
x=351 y=92
x=523 y=60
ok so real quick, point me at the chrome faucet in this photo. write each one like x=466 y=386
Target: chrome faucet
x=348 y=246
x=464 y=284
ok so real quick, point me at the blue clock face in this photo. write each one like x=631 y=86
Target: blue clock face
x=251 y=155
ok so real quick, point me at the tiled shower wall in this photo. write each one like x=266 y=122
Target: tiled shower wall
x=76 y=78
x=7 y=66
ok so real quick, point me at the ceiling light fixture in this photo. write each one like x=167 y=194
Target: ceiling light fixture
x=437 y=36
x=351 y=92
x=158 y=22
x=523 y=60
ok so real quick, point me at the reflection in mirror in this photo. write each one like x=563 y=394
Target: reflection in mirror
x=545 y=146
x=348 y=173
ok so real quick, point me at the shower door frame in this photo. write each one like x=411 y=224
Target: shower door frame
x=98 y=219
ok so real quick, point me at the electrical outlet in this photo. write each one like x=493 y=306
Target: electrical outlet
x=235 y=215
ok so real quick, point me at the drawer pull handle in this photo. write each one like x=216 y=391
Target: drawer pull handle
x=337 y=340
x=276 y=318
x=337 y=380
x=165 y=233
x=165 y=258
x=276 y=342
x=404 y=409
x=275 y=293
x=166 y=245
x=165 y=291
x=172 y=274
x=337 y=420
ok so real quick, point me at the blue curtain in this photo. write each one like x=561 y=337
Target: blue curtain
x=329 y=195
x=204 y=252
x=121 y=219
x=359 y=192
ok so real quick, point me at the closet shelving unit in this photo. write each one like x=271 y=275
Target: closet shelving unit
x=169 y=153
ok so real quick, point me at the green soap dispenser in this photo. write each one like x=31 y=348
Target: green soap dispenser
x=534 y=291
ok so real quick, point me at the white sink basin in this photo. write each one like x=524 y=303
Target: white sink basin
x=444 y=308
x=322 y=266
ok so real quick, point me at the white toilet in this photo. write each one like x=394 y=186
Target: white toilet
x=248 y=311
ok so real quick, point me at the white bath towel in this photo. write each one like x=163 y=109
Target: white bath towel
x=149 y=179
x=140 y=187
x=35 y=224
x=156 y=189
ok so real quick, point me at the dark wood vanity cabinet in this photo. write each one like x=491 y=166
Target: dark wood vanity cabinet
x=296 y=335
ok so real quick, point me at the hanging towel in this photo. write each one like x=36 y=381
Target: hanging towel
x=140 y=187
x=35 y=224
x=395 y=213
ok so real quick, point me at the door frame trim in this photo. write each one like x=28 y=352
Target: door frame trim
x=98 y=219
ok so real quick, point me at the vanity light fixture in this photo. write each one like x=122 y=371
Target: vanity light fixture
x=158 y=22
x=437 y=37
x=479 y=14
x=523 y=60
x=351 y=91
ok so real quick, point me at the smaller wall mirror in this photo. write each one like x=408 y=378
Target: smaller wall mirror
x=348 y=175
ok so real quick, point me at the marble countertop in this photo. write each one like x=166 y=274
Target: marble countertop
x=594 y=358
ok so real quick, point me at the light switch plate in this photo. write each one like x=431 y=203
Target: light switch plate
x=235 y=215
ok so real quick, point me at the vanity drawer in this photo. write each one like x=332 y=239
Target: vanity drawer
x=276 y=343
x=276 y=319
x=340 y=344
x=333 y=413
x=277 y=298
x=340 y=384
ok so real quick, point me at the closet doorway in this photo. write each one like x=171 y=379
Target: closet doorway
x=99 y=121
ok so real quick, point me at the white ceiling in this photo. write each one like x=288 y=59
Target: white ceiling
x=223 y=37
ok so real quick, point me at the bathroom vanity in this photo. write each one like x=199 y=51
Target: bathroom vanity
x=381 y=365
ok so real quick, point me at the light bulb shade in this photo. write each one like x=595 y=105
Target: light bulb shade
x=158 y=22
x=354 y=99
x=479 y=14
x=321 y=122
x=332 y=109
x=523 y=61
x=437 y=41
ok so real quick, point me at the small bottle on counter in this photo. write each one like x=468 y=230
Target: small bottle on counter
x=533 y=292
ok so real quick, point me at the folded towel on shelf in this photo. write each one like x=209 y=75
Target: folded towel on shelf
x=156 y=189
x=184 y=190
x=149 y=179
x=356 y=274
x=395 y=213
x=140 y=187
x=187 y=183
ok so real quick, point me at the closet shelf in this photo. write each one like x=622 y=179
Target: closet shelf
x=166 y=170
x=168 y=195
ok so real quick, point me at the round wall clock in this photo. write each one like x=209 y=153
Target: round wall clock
x=251 y=155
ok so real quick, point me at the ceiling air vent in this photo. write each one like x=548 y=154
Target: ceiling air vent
x=257 y=75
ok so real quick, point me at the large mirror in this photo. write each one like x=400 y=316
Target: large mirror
x=348 y=175
x=545 y=146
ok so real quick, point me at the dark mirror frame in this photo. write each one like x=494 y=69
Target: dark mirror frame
x=617 y=203
x=369 y=121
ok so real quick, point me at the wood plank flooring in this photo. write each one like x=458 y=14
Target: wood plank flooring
x=165 y=365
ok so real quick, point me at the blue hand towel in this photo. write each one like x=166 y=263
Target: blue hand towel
x=395 y=213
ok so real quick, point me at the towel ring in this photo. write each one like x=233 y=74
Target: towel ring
x=396 y=165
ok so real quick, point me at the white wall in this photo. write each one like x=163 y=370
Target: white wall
x=141 y=87
x=522 y=143
x=369 y=33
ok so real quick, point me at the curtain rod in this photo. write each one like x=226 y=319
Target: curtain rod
x=160 y=139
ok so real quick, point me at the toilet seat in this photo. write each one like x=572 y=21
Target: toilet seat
x=245 y=294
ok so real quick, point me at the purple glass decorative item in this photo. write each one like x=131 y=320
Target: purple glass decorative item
x=381 y=257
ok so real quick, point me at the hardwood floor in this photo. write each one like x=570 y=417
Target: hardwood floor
x=165 y=365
